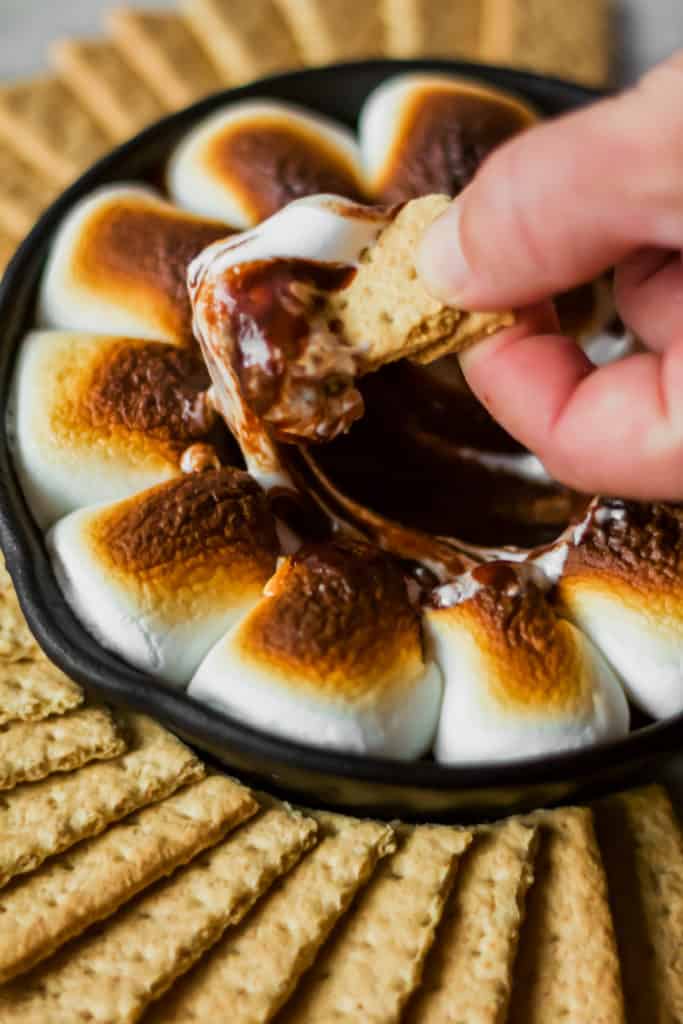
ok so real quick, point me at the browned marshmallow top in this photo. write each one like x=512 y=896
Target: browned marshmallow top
x=267 y=163
x=444 y=134
x=338 y=617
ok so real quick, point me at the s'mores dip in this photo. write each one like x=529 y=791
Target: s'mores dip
x=263 y=479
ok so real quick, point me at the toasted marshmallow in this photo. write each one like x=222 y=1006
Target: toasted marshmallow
x=118 y=265
x=518 y=681
x=424 y=133
x=622 y=584
x=249 y=159
x=331 y=656
x=159 y=577
x=94 y=419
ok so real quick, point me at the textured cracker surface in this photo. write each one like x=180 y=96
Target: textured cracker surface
x=468 y=974
x=244 y=38
x=16 y=639
x=8 y=243
x=373 y=960
x=34 y=688
x=43 y=120
x=61 y=743
x=332 y=30
x=44 y=818
x=112 y=973
x=642 y=850
x=386 y=311
x=72 y=891
x=252 y=971
x=166 y=54
x=107 y=85
x=24 y=193
x=567 y=40
x=432 y=28
x=567 y=965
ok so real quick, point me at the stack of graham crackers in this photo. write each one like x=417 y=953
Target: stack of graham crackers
x=149 y=62
x=136 y=885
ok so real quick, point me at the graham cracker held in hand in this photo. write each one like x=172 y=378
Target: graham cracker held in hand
x=373 y=960
x=567 y=965
x=166 y=54
x=567 y=40
x=468 y=974
x=245 y=38
x=61 y=743
x=432 y=28
x=45 y=818
x=386 y=311
x=642 y=850
x=92 y=881
x=251 y=972
x=332 y=30
x=24 y=193
x=46 y=124
x=107 y=85
x=34 y=688
x=119 y=967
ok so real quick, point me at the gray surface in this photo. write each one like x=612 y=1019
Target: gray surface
x=646 y=30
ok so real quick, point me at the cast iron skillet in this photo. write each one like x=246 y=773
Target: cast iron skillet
x=382 y=787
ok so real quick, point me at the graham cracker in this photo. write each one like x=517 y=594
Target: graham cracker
x=61 y=743
x=24 y=193
x=329 y=30
x=245 y=38
x=8 y=245
x=166 y=53
x=16 y=640
x=46 y=124
x=468 y=974
x=254 y=969
x=432 y=28
x=567 y=964
x=34 y=688
x=91 y=882
x=119 y=967
x=567 y=40
x=386 y=311
x=373 y=960
x=642 y=849
x=46 y=818
x=107 y=85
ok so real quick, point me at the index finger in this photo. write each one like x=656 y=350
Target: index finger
x=613 y=430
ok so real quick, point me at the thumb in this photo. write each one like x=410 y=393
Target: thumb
x=565 y=200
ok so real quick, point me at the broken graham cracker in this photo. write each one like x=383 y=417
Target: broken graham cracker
x=253 y=970
x=70 y=892
x=166 y=53
x=642 y=850
x=373 y=960
x=432 y=28
x=112 y=973
x=468 y=973
x=46 y=124
x=245 y=38
x=47 y=817
x=16 y=639
x=327 y=31
x=34 y=688
x=24 y=193
x=107 y=85
x=566 y=40
x=61 y=743
x=567 y=965
x=386 y=311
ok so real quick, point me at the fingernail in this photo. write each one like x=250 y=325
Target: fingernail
x=440 y=260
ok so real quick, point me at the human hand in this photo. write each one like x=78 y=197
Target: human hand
x=549 y=210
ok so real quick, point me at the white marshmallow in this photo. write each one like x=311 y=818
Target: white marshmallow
x=518 y=684
x=202 y=180
x=334 y=678
x=134 y=574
